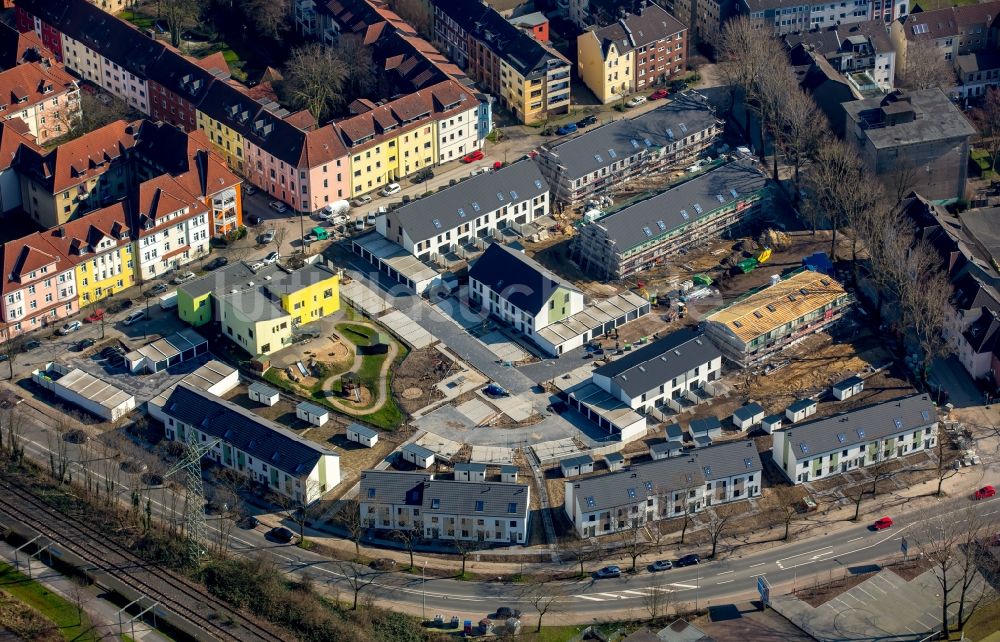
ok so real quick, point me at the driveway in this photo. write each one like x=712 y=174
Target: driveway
x=951 y=375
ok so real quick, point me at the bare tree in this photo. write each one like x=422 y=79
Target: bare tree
x=301 y=511
x=802 y=126
x=943 y=468
x=58 y=447
x=466 y=547
x=10 y=348
x=926 y=68
x=279 y=238
x=357 y=577
x=787 y=509
x=179 y=15
x=987 y=120
x=269 y=18
x=719 y=524
x=360 y=75
x=314 y=78
x=408 y=537
x=659 y=597
x=632 y=541
x=417 y=14
x=582 y=550
x=349 y=517
x=747 y=56
x=12 y=425
x=543 y=597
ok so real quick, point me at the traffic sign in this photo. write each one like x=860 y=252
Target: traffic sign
x=764 y=589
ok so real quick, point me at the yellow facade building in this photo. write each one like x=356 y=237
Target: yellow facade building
x=604 y=67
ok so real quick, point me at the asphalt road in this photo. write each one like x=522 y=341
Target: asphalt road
x=733 y=577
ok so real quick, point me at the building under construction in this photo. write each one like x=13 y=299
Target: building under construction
x=652 y=231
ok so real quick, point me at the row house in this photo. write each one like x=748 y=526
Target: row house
x=638 y=51
x=608 y=156
x=791 y=16
x=704 y=19
x=679 y=363
x=177 y=86
x=861 y=51
x=39 y=285
x=256 y=448
x=977 y=72
x=529 y=77
x=516 y=289
x=664 y=489
x=20 y=48
x=856 y=439
x=445 y=509
x=948 y=33
x=42 y=95
x=653 y=231
x=467 y=216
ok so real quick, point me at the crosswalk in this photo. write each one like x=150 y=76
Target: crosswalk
x=632 y=594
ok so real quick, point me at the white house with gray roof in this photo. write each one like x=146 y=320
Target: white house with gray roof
x=612 y=154
x=664 y=489
x=464 y=217
x=667 y=368
x=251 y=445
x=445 y=509
x=855 y=439
x=648 y=233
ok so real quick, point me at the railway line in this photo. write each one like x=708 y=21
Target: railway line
x=173 y=593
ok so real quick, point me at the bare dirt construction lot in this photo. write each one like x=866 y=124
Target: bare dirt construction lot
x=415 y=378
x=354 y=458
x=282 y=412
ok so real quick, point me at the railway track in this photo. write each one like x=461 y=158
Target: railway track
x=173 y=592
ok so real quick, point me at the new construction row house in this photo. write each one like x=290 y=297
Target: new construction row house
x=648 y=233
x=856 y=439
x=606 y=157
x=663 y=489
x=435 y=117
x=445 y=509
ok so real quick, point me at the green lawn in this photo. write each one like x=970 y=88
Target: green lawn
x=550 y=633
x=140 y=20
x=52 y=606
x=983 y=624
x=359 y=335
x=930 y=5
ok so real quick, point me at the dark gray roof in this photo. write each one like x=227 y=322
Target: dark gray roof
x=701 y=440
x=516 y=277
x=978 y=61
x=748 y=411
x=937 y=118
x=674 y=431
x=650 y=24
x=417 y=450
x=579 y=460
x=456 y=205
x=283 y=282
x=235 y=276
x=254 y=435
x=364 y=431
x=665 y=447
x=447 y=496
x=902 y=415
x=508 y=468
x=591 y=151
x=471 y=467
x=667 y=475
x=667 y=211
x=850 y=382
x=614 y=457
x=706 y=425
x=801 y=404
x=643 y=370
x=773 y=419
x=262 y=390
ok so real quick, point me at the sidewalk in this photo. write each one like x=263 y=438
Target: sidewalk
x=102 y=613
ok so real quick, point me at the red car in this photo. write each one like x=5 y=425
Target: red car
x=882 y=523
x=658 y=94
x=498 y=165
x=473 y=157
x=95 y=317
x=985 y=492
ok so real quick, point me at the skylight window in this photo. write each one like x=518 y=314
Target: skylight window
x=475 y=206
x=461 y=213
x=732 y=190
x=612 y=153
x=737 y=324
x=598 y=158
x=689 y=478
x=898 y=422
x=662 y=226
x=649 y=486
x=684 y=215
x=648 y=142
x=590 y=502
x=631 y=493
x=435 y=503
x=437 y=223
x=538 y=183
x=479 y=505
x=684 y=128
x=926 y=415
x=748 y=462
x=757 y=314
x=841 y=437
x=513 y=195
x=512 y=507
x=500 y=197
x=721 y=198
x=647 y=231
x=804 y=447
x=635 y=143
x=708 y=471
x=861 y=433
x=771 y=308
x=670 y=133
x=697 y=208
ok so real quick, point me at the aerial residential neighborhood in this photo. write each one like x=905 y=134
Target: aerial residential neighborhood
x=550 y=320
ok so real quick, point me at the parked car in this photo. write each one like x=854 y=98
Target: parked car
x=216 y=263
x=609 y=571
x=473 y=157
x=256 y=265
x=882 y=523
x=121 y=306
x=359 y=224
x=505 y=612
x=361 y=200
x=31 y=345
x=159 y=288
x=249 y=522
x=4 y=357
x=568 y=128
x=390 y=189
x=183 y=277
x=248 y=189
x=370 y=219
x=83 y=344
x=280 y=534
x=255 y=220
x=985 y=492
x=587 y=121
x=267 y=237
x=425 y=174
x=635 y=101
x=95 y=316
x=278 y=207
x=688 y=560
x=659 y=94
x=660 y=565
x=271 y=258
x=134 y=318
x=382 y=564
x=72 y=326
x=479 y=170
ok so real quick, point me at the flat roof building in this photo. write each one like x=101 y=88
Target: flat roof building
x=85 y=390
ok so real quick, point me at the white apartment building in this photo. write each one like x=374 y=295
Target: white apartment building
x=458 y=135
x=664 y=488
x=172 y=225
x=257 y=448
x=857 y=439
x=445 y=509
x=643 y=379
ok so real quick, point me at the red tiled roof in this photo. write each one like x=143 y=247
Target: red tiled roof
x=27 y=254
x=76 y=237
x=13 y=139
x=79 y=160
x=31 y=83
x=303 y=119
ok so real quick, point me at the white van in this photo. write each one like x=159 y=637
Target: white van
x=334 y=209
x=134 y=318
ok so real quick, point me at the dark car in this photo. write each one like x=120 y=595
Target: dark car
x=505 y=612
x=568 y=128
x=586 y=121
x=660 y=565
x=249 y=522
x=119 y=306
x=609 y=571
x=31 y=345
x=216 y=263
x=255 y=220
x=423 y=175
x=280 y=534
x=382 y=564
x=83 y=344
x=688 y=560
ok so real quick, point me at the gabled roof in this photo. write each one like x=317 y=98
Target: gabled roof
x=78 y=238
x=471 y=198
x=12 y=140
x=27 y=254
x=81 y=159
x=517 y=278
x=643 y=370
x=877 y=421
x=187 y=156
x=649 y=24
x=260 y=438
x=686 y=115
x=182 y=76
x=984 y=333
x=445 y=496
x=749 y=411
x=17 y=48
